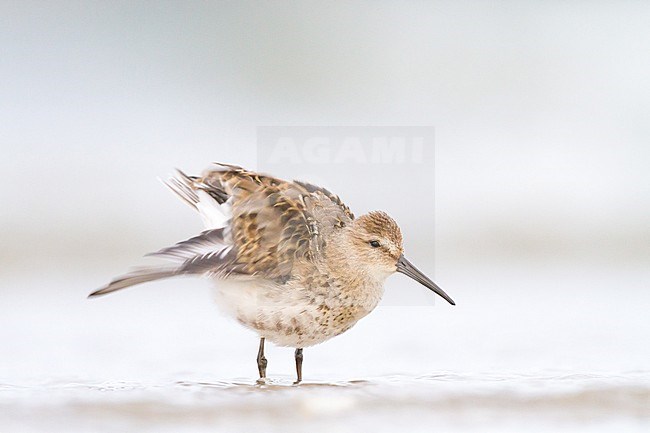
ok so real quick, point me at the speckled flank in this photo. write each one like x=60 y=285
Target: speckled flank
x=296 y=315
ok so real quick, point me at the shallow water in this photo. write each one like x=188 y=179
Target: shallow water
x=455 y=402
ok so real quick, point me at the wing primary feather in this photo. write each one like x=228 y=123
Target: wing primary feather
x=206 y=254
x=136 y=277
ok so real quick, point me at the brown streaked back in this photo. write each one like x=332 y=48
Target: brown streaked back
x=274 y=222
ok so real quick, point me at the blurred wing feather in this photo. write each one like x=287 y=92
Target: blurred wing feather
x=260 y=227
x=207 y=242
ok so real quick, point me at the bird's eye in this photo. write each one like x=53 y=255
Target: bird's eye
x=374 y=244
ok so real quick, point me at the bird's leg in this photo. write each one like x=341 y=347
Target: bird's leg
x=298 y=365
x=261 y=360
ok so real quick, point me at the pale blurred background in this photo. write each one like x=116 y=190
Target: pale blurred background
x=541 y=203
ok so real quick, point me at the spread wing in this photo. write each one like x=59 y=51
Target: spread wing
x=274 y=223
x=258 y=227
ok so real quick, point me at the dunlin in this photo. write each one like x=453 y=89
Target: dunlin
x=290 y=260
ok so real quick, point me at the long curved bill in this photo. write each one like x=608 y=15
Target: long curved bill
x=405 y=267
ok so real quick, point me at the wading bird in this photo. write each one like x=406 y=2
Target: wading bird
x=290 y=260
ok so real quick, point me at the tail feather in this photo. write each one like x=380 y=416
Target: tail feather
x=181 y=185
x=210 y=202
x=136 y=277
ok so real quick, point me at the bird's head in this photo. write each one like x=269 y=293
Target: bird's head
x=377 y=241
